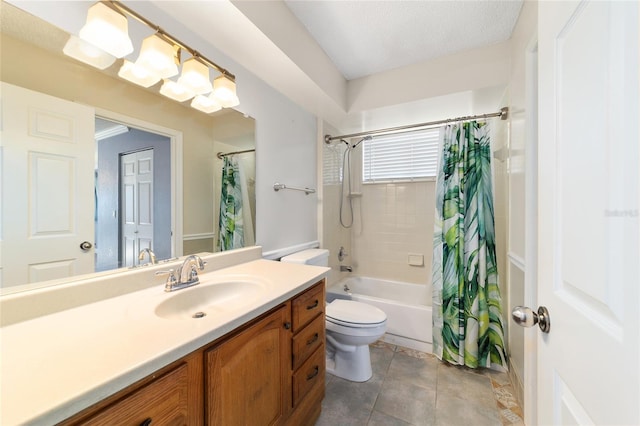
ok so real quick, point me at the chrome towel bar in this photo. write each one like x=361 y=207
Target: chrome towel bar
x=278 y=186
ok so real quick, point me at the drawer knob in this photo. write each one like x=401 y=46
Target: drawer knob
x=313 y=339
x=146 y=422
x=287 y=325
x=316 y=370
x=315 y=305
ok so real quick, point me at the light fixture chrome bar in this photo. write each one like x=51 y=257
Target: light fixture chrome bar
x=220 y=155
x=278 y=186
x=503 y=114
x=117 y=5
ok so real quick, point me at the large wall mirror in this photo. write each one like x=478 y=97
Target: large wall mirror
x=152 y=175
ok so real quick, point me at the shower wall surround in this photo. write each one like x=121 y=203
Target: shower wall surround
x=392 y=221
x=396 y=220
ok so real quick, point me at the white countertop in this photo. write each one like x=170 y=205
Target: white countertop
x=54 y=366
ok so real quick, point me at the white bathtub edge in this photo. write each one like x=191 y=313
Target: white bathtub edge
x=407 y=343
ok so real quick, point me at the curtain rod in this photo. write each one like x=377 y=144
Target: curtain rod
x=220 y=154
x=503 y=114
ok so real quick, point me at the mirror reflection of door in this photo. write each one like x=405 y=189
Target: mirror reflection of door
x=133 y=195
x=45 y=153
x=136 y=205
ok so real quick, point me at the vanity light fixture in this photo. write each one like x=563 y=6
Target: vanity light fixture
x=207 y=104
x=175 y=91
x=159 y=57
x=107 y=28
x=195 y=76
x=137 y=74
x=88 y=53
x=225 y=91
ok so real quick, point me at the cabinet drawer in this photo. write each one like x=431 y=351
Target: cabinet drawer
x=310 y=374
x=308 y=305
x=163 y=402
x=307 y=341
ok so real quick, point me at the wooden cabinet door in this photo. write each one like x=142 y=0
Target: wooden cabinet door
x=248 y=376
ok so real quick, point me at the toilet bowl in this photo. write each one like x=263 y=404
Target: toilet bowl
x=350 y=327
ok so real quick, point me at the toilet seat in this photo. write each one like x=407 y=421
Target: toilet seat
x=349 y=313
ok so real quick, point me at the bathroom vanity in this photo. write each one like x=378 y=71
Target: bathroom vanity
x=260 y=360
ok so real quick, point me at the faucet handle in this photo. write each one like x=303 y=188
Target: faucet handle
x=171 y=279
x=200 y=263
x=342 y=253
x=193 y=273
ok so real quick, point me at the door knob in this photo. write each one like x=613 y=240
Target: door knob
x=526 y=317
x=85 y=246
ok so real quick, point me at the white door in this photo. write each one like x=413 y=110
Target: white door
x=588 y=234
x=48 y=187
x=136 y=195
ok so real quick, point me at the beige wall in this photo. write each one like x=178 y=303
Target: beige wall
x=55 y=75
x=396 y=219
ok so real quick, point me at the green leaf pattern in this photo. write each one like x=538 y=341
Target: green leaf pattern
x=230 y=223
x=467 y=313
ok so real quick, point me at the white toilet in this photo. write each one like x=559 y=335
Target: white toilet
x=351 y=327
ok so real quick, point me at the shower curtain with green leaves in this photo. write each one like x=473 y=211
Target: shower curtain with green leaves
x=467 y=313
x=230 y=223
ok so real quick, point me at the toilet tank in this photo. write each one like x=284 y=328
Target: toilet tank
x=319 y=257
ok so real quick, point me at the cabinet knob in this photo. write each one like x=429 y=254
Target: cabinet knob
x=287 y=325
x=146 y=422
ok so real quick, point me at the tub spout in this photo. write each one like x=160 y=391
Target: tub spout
x=344 y=268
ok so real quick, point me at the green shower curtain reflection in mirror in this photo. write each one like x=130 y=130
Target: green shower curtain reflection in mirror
x=468 y=327
x=231 y=221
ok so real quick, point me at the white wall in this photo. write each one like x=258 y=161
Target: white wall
x=518 y=269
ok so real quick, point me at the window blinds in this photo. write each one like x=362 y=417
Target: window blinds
x=401 y=156
x=332 y=164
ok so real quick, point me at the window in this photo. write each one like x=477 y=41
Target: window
x=401 y=156
x=332 y=164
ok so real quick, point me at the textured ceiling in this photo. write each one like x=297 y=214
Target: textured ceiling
x=368 y=37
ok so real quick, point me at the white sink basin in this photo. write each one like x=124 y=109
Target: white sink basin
x=212 y=296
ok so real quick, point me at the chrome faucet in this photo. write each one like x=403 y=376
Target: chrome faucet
x=188 y=272
x=186 y=276
x=152 y=256
x=344 y=268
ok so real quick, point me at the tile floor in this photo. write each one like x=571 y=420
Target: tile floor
x=414 y=388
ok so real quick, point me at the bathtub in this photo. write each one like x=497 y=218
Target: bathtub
x=408 y=307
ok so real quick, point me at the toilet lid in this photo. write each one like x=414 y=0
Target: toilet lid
x=354 y=314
